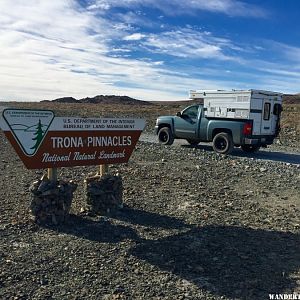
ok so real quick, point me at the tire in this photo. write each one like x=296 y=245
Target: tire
x=193 y=142
x=250 y=148
x=165 y=136
x=223 y=143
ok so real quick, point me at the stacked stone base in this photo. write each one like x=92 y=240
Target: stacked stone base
x=51 y=201
x=104 y=194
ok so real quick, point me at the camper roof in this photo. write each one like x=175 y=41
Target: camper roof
x=203 y=93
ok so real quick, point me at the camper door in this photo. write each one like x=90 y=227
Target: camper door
x=267 y=115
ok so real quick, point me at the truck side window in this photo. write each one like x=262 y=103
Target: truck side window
x=191 y=112
x=267 y=108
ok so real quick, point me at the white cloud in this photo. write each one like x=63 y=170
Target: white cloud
x=178 y=7
x=290 y=52
x=134 y=37
x=158 y=63
x=189 y=43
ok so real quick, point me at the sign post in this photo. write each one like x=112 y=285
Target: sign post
x=52 y=174
x=103 y=170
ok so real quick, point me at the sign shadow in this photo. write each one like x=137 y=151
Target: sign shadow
x=231 y=261
x=149 y=219
x=236 y=262
x=105 y=232
x=102 y=231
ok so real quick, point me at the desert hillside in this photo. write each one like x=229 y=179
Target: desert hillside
x=101 y=99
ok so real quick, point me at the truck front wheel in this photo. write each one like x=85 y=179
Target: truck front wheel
x=165 y=136
x=223 y=143
x=250 y=148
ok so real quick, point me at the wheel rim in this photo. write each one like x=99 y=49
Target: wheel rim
x=221 y=144
x=163 y=136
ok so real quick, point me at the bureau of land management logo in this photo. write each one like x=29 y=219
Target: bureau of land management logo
x=28 y=127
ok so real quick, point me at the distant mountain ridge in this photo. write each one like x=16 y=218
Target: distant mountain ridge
x=113 y=99
x=104 y=99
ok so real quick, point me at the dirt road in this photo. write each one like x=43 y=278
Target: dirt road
x=273 y=153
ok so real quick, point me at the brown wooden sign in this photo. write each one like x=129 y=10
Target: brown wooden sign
x=42 y=140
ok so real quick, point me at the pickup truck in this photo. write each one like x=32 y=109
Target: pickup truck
x=192 y=125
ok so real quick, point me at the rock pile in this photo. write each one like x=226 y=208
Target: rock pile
x=104 y=194
x=51 y=201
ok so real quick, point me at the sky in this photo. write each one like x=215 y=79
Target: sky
x=147 y=49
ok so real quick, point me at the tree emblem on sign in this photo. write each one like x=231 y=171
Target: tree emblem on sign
x=39 y=133
x=28 y=127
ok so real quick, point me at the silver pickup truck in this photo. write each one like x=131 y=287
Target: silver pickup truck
x=192 y=125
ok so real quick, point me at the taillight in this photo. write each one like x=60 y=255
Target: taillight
x=247 y=129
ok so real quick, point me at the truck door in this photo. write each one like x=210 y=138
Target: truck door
x=185 y=125
x=267 y=115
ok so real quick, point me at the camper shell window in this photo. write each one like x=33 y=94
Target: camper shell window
x=267 y=109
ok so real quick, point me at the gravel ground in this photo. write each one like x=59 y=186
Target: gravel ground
x=195 y=225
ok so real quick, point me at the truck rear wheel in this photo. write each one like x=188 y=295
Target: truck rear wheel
x=250 y=148
x=165 y=136
x=223 y=143
x=193 y=142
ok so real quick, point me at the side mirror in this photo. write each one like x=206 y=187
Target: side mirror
x=178 y=114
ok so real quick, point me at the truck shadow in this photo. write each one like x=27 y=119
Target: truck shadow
x=277 y=156
x=292 y=158
x=229 y=261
